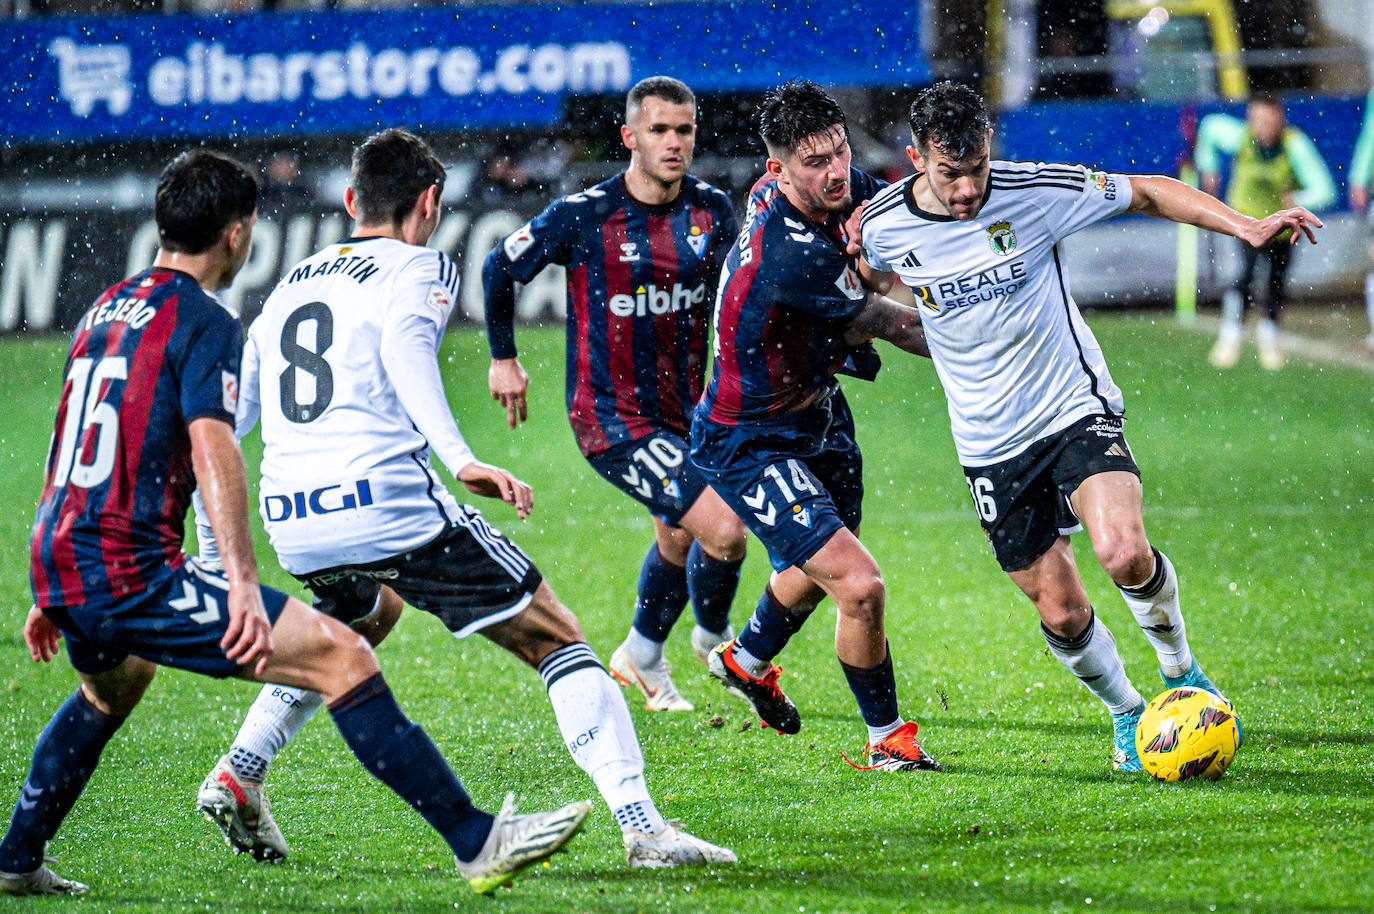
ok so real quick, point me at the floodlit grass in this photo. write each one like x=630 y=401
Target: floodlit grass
x=1258 y=485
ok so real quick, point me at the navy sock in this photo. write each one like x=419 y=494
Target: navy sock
x=401 y=756
x=66 y=755
x=711 y=583
x=662 y=596
x=770 y=627
x=875 y=690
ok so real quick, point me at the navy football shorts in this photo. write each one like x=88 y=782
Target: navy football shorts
x=795 y=482
x=1023 y=502
x=469 y=577
x=654 y=471
x=178 y=622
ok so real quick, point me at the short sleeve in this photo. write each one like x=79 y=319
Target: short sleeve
x=1082 y=197
x=546 y=239
x=208 y=363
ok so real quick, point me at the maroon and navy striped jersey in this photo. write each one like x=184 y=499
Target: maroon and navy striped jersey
x=786 y=297
x=154 y=352
x=641 y=281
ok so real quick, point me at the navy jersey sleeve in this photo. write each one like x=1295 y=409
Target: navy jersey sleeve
x=548 y=238
x=207 y=364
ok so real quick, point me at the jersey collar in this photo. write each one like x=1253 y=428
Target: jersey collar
x=909 y=196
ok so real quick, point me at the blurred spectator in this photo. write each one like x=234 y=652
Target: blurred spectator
x=283 y=188
x=1361 y=183
x=1273 y=165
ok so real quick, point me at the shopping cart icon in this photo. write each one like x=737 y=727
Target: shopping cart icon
x=92 y=73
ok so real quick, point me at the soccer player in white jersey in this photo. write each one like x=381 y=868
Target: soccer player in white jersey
x=342 y=367
x=1037 y=420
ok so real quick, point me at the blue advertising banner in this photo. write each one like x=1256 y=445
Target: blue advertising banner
x=447 y=67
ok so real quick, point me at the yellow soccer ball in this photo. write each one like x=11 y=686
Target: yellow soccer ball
x=1187 y=733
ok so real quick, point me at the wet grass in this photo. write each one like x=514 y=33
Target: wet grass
x=1258 y=485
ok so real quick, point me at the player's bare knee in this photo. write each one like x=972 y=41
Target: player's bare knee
x=1127 y=558
x=117 y=692
x=862 y=596
x=1064 y=619
x=347 y=662
x=724 y=539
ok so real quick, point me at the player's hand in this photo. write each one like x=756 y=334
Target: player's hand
x=494 y=482
x=248 y=640
x=508 y=382
x=1270 y=227
x=1359 y=198
x=853 y=239
x=41 y=636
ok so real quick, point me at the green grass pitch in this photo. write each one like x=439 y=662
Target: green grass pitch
x=1258 y=485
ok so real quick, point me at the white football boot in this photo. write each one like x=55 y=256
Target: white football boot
x=673 y=847
x=656 y=682
x=241 y=811
x=41 y=881
x=703 y=642
x=516 y=842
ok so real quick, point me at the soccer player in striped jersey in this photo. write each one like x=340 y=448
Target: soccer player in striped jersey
x=1037 y=420
x=146 y=415
x=342 y=367
x=773 y=433
x=643 y=253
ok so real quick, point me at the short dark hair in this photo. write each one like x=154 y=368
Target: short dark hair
x=951 y=116
x=390 y=170
x=1268 y=99
x=794 y=111
x=200 y=193
x=673 y=91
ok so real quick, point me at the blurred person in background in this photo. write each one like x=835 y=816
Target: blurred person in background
x=1274 y=166
x=283 y=187
x=1361 y=182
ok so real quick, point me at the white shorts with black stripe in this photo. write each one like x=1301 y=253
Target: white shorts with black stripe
x=469 y=576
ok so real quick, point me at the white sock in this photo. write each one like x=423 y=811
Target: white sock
x=597 y=729
x=877 y=734
x=1155 y=606
x=642 y=651
x=1369 y=301
x=1232 y=306
x=1093 y=658
x=1267 y=332
x=751 y=664
x=274 y=718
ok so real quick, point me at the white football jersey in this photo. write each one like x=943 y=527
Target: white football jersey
x=1016 y=359
x=346 y=477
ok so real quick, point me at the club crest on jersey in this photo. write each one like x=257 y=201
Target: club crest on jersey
x=1001 y=238
x=848 y=283
x=696 y=240
x=518 y=242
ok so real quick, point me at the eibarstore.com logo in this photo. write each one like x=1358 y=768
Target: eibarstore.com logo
x=214 y=73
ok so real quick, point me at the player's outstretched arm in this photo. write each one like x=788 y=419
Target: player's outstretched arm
x=1166 y=198
x=223 y=483
x=508 y=381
